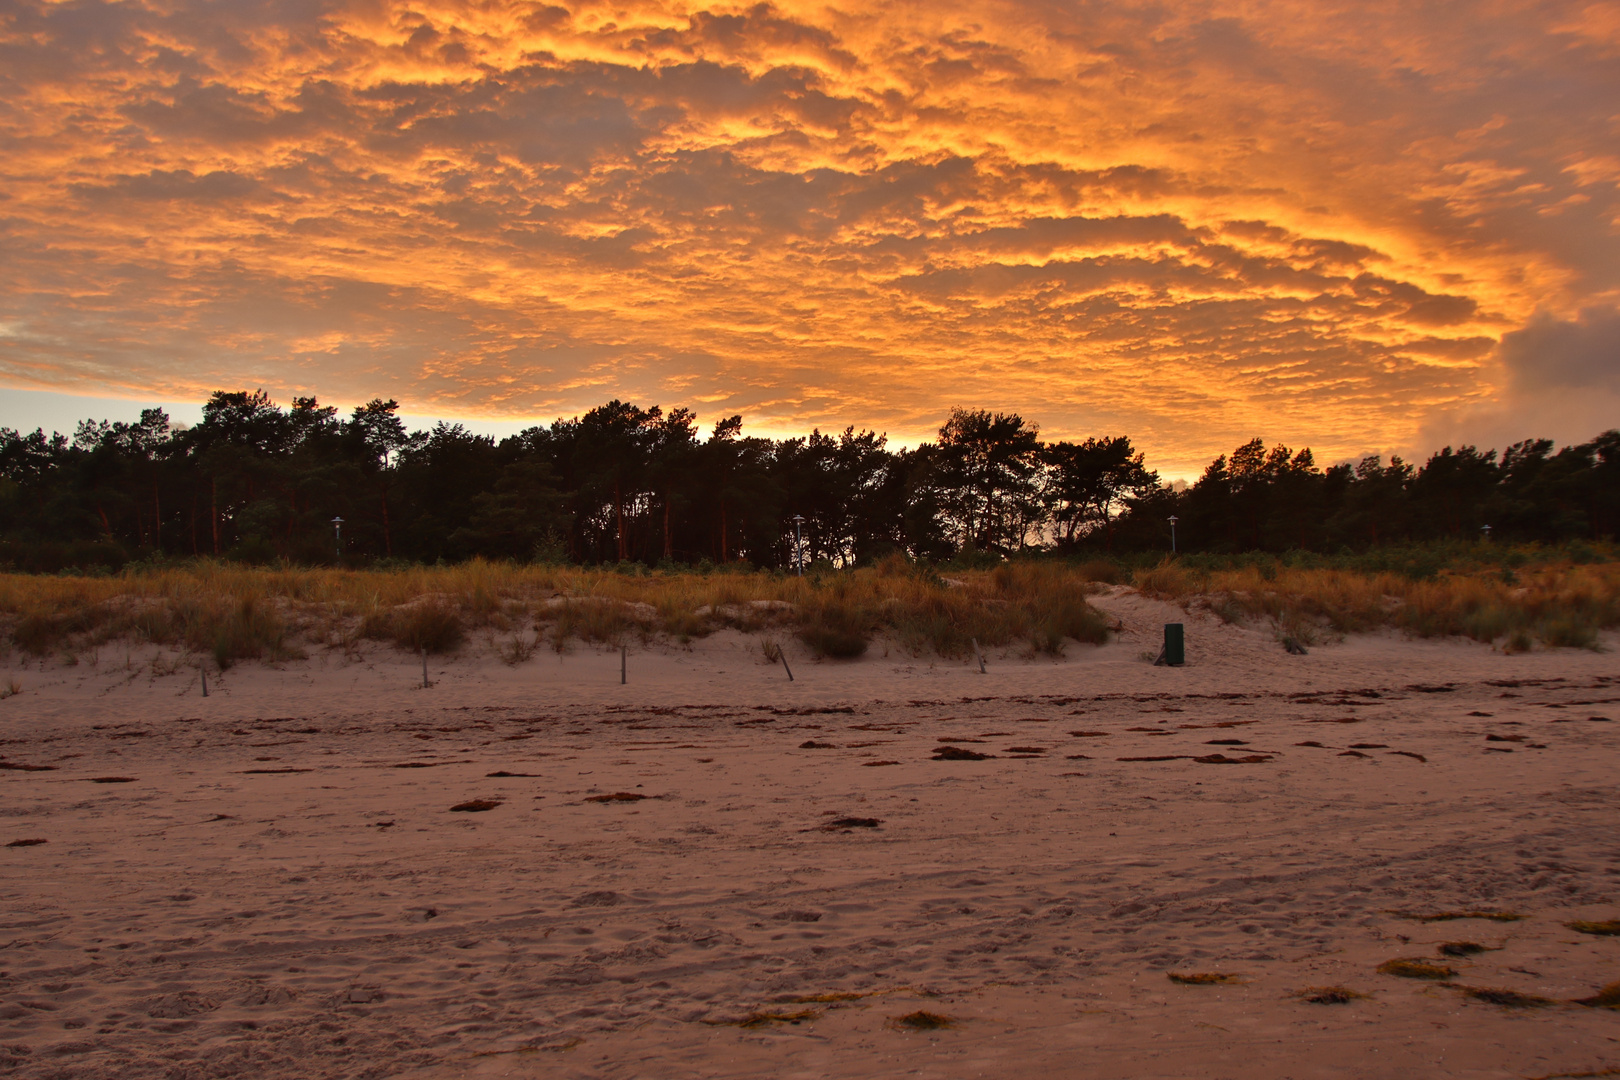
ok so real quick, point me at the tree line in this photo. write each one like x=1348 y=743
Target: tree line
x=257 y=482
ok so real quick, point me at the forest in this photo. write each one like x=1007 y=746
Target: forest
x=258 y=483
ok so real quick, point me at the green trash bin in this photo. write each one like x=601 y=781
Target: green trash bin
x=1175 y=644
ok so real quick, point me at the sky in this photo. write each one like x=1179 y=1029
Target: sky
x=1363 y=227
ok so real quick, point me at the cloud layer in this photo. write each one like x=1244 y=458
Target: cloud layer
x=1311 y=221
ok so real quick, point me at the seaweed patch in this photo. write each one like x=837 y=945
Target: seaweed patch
x=1204 y=978
x=1450 y=916
x=1331 y=995
x=1512 y=999
x=1608 y=928
x=1417 y=968
x=956 y=753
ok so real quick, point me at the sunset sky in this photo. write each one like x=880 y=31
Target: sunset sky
x=1361 y=227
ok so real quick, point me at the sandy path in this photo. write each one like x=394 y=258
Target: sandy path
x=272 y=894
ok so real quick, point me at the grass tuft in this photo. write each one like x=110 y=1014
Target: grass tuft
x=836 y=632
x=1331 y=995
x=921 y=1020
x=1608 y=928
x=1449 y=916
x=431 y=625
x=1511 y=999
x=1606 y=998
x=1417 y=968
x=1204 y=978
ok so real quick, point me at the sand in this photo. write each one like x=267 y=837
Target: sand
x=280 y=886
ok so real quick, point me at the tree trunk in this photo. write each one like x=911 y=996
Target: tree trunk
x=724 y=554
x=388 y=534
x=669 y=541
x=106 y=525
x=157 y=520
x=213 y=509
x=618 y=510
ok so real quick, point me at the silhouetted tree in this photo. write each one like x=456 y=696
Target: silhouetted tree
x=255 y=481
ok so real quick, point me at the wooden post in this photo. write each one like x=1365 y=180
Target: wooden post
x=624 y=664
x=203 y=671
x=978 y=653
x=783 y=654
x=425 y=683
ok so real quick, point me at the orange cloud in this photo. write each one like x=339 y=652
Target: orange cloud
x=1313 y=221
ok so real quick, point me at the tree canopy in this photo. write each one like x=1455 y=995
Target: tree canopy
x=626 y=483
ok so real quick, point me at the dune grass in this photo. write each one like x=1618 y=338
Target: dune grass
x=232 y=612
x=229 y=612
x=1553 y=605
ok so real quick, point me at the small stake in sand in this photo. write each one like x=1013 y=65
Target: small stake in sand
x=203 y=671
x=978 y=653
x=425 y=684
x=624 y=664
x=783 y=654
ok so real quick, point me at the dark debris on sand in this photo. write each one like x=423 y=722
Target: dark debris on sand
x=957 y=753
x=852 y=823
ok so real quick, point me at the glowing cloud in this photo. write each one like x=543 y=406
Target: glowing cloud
x=1308 y=220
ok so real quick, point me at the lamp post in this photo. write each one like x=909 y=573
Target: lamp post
x=1172 y=534
x=337 y=536
x=798 y=542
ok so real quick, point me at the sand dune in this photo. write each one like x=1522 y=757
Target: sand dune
x=325 y=870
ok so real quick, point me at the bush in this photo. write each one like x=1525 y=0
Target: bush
x=245 y=632
x=1570 y=632
x=835 y=631
x=602 y=620
x=38 y=634
x=1167 y=581
x=432 y=625
x=1104 y=570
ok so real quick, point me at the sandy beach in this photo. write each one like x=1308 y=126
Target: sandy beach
x=324 y=869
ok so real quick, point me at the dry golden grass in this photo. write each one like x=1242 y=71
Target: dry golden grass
x=231 y=612
x=1555 y=605
x=234 y=612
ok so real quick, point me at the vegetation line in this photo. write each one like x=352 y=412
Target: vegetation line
x=231 y=612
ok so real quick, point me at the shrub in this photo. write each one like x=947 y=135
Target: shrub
x=1103 y=570
x=1166 y=581
x=243 y=631
x=835 y=631
x=39 y=634
x=431 y=625
x=1570 y=631
x=601 y=620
